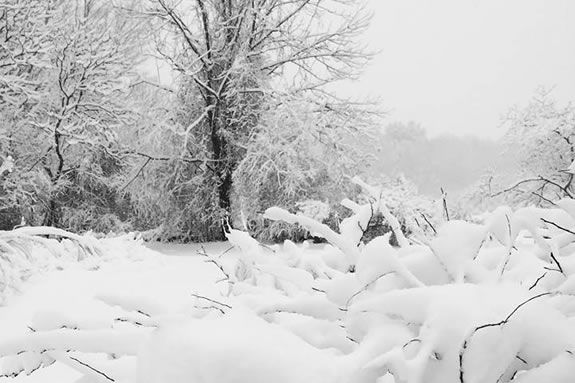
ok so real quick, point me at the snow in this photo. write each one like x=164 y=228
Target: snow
x=7 y=165
x=251 y=350
x=481 y=302
x=559 y=370
x=346 y=245
x=457 y=245
x=75 y=297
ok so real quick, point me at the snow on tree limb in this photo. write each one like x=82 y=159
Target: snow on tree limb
x=349 y=249
x=380 y=206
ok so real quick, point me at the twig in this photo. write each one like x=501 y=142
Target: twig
x=146 y=162
x=92 y=368
x=56 y=355
x=557 y=226
x=429 y=223
x=363 y=231
x=537 y=281
x=219 y=255
x=511 y=247
x=212 y=307
x=543 y=198
x=538 y=179
x=444 y=198
x=364 y=288
x=500 y=323
x=210 y=260
x=211 y=300
x=414 y=340
x=264 y=246
x=143 y=313
x=557 y=263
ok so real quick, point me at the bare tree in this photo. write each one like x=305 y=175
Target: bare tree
x=541 y=139
x=237 y=60
x=25 y=36
x=63 y=139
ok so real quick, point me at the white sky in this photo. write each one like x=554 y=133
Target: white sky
x=456 y=66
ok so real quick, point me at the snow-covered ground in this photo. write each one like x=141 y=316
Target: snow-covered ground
x=477 y=302
x=168 y=276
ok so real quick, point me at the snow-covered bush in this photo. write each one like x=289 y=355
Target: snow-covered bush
x=316 y=210
x=477 y=302
x=27 y=251
x=480 y=302
x=417 y=214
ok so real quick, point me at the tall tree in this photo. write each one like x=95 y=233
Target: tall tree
x=236 y=60
x=64 y=123
x=25 y=39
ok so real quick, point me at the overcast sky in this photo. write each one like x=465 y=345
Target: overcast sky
x=456 y=66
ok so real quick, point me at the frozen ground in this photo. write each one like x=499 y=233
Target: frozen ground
x=169 y=277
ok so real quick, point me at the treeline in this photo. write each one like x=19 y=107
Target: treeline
x=88 y=142
x=248 y=121
x=448 y=162
x=531 y=164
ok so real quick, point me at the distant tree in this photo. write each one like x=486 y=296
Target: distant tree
x=446 y=161
x=404 y=148
x=541 y=141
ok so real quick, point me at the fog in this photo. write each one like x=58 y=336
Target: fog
x=446 y=161
x=457 y=66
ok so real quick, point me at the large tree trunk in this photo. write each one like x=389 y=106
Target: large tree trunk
x=223 y=173
x=224 y=192
x=223 y=163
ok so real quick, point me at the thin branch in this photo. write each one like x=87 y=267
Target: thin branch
x=529 y=180
x=363 y=231
x=211 y=300
x=484 y=326
x=210 y=260
x=541 y=197
x=364 y=288
x=147 y=82
x=557 y=263
x=429 y=223
x=558 y=226
x=444 y=199
x=146 y=162
x=91 y=368
x=537 y=281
